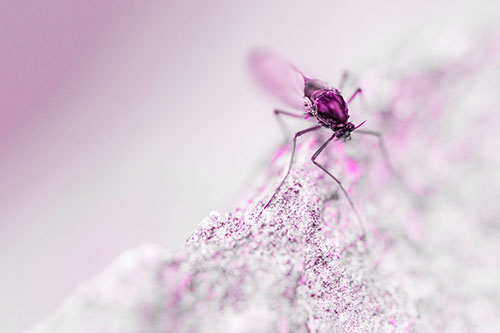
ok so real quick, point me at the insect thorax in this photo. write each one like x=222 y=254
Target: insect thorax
x=328 y=107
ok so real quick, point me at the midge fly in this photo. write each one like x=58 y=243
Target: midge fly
x=317 y=101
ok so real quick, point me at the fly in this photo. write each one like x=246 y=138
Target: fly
x=317 y=100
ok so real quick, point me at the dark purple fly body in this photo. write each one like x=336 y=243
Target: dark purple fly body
x=330 y=110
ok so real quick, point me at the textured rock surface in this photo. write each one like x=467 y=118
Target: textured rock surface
x=431 y=260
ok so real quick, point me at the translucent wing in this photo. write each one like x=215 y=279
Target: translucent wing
x=279 y=77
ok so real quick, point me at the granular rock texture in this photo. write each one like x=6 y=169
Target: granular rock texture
x=430 y=262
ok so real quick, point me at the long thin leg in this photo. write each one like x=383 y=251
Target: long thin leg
x=345 y=75
x=387 y=161
x=382 y=147
x=291 y=159
x=278 y=114
x=313 y=158
x=358 y=91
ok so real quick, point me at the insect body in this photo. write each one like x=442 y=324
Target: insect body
x=329 y=108
x=316 y=99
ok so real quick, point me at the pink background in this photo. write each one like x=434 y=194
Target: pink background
x=126 y=122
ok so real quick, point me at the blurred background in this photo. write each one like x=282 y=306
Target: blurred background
x=126 y=122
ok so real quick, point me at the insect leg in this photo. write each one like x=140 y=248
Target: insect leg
x=345 y=75
x=307 y=130
x=382 y=147
x=387 y=161
x=358 y=91
x=313 y=158
x=278 y=113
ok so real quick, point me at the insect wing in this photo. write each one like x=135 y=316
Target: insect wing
x=279 y=77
